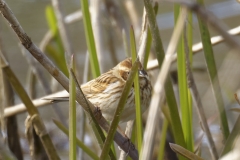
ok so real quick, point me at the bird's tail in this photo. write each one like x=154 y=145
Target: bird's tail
x=57 y=99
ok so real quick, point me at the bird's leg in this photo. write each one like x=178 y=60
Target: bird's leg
x=122 y=132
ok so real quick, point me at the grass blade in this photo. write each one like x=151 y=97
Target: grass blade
x=72 y=113
x=212 y=71
x=184 y=152
x=186 y=108
x=90 y=39
x=137 y=92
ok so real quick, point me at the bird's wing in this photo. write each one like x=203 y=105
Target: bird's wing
x=92 y=87
x=99 y=84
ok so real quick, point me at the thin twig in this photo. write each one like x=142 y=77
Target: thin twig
x=40 y=102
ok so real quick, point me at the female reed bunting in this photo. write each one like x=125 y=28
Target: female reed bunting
x=105 y=91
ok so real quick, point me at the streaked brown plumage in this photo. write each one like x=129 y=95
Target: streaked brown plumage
x=105 y=91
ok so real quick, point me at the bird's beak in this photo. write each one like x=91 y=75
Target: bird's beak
x=142 y=73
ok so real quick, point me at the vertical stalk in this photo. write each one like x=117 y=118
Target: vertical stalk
x=186 y=108
x=90 y=39
x=72 y=113
x=136 y=93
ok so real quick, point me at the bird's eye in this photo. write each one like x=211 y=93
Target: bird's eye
x=124 y=74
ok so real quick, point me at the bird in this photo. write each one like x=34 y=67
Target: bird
x=105 y=91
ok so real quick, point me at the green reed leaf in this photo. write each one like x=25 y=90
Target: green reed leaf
x=72 y=113
x=212 y=71
x=90 y=39
x=137 y=93
x=186 y=108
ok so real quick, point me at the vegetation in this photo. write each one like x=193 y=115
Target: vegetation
x=185 y=105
